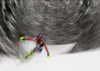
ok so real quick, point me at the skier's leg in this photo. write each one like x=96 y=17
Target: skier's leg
x=30 y=54
x=37 y=50
x=40 y=50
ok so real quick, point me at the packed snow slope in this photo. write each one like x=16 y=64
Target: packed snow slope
x=86 y=61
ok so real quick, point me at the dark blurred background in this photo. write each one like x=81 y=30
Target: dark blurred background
x=60 y=22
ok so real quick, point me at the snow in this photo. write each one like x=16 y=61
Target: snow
x=85 y=61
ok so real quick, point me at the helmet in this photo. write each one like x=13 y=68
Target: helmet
x=39 y=35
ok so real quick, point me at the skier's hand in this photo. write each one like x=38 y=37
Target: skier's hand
x=22 y=38
x=48 y=55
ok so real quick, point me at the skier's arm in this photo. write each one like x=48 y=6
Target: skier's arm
x=31 y=39
x=47 y=50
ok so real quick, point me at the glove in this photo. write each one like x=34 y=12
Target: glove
x=22 y=38
x=48 y=55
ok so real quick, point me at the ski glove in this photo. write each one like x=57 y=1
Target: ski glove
x=22 y=38
x=48 y=55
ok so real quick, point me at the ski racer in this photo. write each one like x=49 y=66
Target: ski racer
x=39 y=45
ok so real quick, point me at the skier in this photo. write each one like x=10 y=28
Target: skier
x=39 y=45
